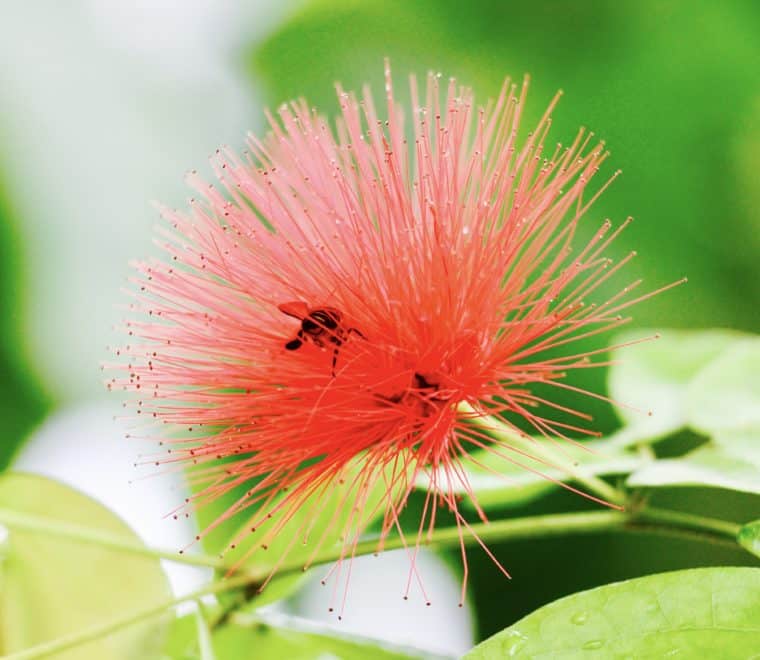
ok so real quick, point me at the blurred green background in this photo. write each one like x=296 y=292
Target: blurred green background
x=672 y=86
x=674 y=89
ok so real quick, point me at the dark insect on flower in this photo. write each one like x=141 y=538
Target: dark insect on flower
x=320 y=326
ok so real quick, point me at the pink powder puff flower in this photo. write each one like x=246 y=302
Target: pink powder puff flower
x=358 y=297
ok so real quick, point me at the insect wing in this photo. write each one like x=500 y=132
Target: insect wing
x=297 y=309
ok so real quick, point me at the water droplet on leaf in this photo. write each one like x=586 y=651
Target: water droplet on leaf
x=580 y=618
x=513 y=643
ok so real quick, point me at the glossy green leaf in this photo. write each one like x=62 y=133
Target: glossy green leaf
x=700 y=613
x=749 y=537
x=496 y=481
x=652 y=377
x=53 y=586
x=726 y=393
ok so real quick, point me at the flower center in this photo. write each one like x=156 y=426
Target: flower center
x=423 y=396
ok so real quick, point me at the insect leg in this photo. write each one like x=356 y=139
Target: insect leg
x=355 y=331
x=293 y=344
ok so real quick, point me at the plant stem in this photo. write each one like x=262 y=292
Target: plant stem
x=543 y=454
x=666 y=517
x=203 y=629
x=32 y=523
x=499 y=530
x=658 y=520
x=509 y=530
x=529 y=527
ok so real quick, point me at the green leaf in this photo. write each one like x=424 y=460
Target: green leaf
x=726 y=393
x=652 y=376
x=749 y=537
x=53 y=587
x=700 y=613
x=277 y=636
x=334 y=513
x=498 y=482
x=189 y=637
x=304 y=641
x=181 y=641
x=280 y=586
x=732 y=462
x=216 y=535
x=705 y=467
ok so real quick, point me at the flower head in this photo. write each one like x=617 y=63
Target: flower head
x=342 y=304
